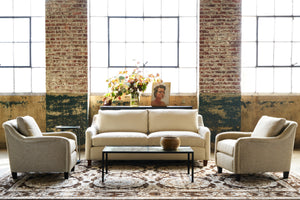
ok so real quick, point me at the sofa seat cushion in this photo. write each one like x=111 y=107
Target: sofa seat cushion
x=226 y=146
x=120 y=139
x=187 y=138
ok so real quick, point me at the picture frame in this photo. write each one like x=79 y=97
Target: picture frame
x=160 y=96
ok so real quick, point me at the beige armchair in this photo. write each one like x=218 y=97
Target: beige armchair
x=268 y=148
x=29 y=150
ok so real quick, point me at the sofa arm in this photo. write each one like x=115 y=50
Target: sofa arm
x=89 y=134
x=204 y=132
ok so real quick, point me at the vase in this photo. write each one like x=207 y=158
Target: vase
x=134 y=99
x=170 y=143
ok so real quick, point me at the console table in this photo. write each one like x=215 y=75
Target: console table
x=142 y=107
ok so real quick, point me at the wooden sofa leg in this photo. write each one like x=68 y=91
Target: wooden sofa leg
x=204 y=162
x=286 y=175
x=89 y=163
x=66 y=175
x=14 y=175
x=219 y=169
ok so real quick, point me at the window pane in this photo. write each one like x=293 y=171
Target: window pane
x=117 y=30
x=6 y=8
x=21 y=30
x=134 y=29
x=171 y=75
x=22 y=80
x=134 y=8
x=134 y=52
x=37 y=8
x=187 y=80
x=282 y=54
x=98 y=8
x=6 y=54
x=152 y=29
x=248 y=80
x=296 y=54
x=248 y=7
x=6 y=80
x=38 y=29
x=187 y=54
x=99 y=55
x=152 y=54
x=265 y=54
x=98 y=80
x=169 y=54
x=265 y=7
x=38 y=80
x=264 y=80
x=266 y=29
x=117 y=54
x=248 y=29
x=187 y=8
x=283 y=29
x=98 y=29
x=21 y=7
x=296 y=6
x=169 y=7
x=296 y=29
x=188 y=29
x=38 y=54
x=116 y=7
x=169 y=30
x=6 y=33
x=248 y=54
x=296 y=80
x=283 y=7
x=152 y=7
x=21 y=54
x=282 y=80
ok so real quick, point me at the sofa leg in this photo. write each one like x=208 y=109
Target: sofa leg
x=66 y=175
x=14 y=175
x=219 y=169
x=73 y=169
x=204 y=162
x=237 y=177
x=286 y=175
x=89 y=163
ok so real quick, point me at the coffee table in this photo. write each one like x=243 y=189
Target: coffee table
x=147 y=149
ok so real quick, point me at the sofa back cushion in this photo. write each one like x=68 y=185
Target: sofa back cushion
x=268 y=127
x=28 y=127
x=122 y=121
x=173 y=120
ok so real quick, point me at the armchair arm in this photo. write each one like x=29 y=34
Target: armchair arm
x=67 y=134
x=89 y=134
x=232 y=135
x=204 y=132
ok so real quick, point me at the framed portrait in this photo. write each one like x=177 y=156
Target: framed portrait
x=160 y=94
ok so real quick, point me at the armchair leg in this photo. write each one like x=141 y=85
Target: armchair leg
x=286 y=175
x=73 y=169
x=219 y=169
x=204 y=162
x=237 y=177
x=66 y=174
x=14 y=175
x=89 y=163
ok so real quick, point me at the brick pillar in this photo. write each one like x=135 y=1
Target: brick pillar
x=220 y=49
x=66 y=63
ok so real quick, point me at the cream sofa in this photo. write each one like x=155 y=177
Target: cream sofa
x=146 y=127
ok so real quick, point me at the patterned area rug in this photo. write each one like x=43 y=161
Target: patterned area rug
x=149 y=180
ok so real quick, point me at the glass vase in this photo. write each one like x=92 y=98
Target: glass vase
x=134 y=99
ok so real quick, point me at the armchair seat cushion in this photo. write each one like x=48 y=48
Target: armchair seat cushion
x=226 y=146
x=119 y=138
x=187 y=138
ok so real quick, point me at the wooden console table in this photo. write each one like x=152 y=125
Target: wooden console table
x=142 y=107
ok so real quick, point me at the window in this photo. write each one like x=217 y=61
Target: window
x=270 y=46
x=22 y=46
x=160 y=34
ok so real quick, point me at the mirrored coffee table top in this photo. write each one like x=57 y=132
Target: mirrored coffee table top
x=145 y=149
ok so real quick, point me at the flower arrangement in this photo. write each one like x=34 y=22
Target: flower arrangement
x=125 y=83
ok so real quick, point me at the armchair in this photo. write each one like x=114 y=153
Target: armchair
x=268 y=148
x=30 y=150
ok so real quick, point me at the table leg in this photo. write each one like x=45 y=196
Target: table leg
x=192 y=167
x=102 y=166
x=188 y=163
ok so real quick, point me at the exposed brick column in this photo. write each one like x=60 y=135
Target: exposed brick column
x=220 y=36
x=66 y=63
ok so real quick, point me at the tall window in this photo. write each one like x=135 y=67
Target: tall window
x=22 y=46
x=270 y=46
x=162 y=35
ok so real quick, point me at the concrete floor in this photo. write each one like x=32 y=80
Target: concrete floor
x=4 y=162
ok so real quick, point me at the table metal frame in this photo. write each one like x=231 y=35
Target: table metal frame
x=147 y=149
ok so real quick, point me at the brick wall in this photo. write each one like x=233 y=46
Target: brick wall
x=219 y=84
